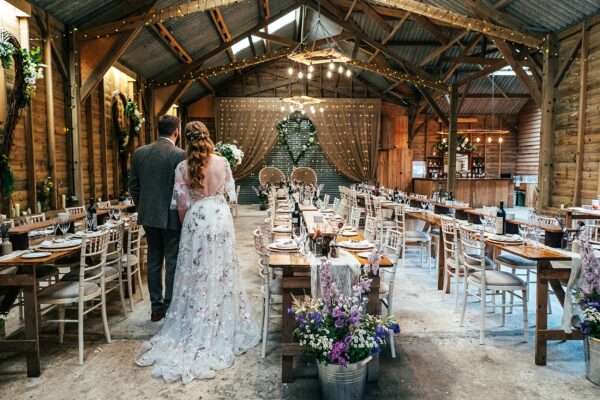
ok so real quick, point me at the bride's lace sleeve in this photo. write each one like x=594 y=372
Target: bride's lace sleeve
x=182 y=198
x=229 y=183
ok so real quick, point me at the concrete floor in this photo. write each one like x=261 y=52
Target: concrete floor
x=437 y=359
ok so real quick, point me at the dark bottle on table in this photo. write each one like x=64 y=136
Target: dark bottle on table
x=296 y=219
x=501 y=220
x=92 y=216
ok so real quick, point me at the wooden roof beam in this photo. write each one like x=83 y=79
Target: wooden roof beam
x=486 y=10
x=461 y=21
x=175 y=96
x=442 y=49
x=221 y=27
x=350 y=10
x=501 y=63
x=276 y=39
x=167 y=38
x=509 y=56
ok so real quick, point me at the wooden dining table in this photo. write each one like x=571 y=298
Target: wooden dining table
x=27 y=280
x=295 y=270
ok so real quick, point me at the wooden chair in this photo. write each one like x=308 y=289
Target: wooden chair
x=452 y=266
x=271 y=176
x=89 y=287
x=131 y=260
x=371 y=232
x=354 y=217
x=104 y=204
x=113 y=271
x=306 y=175
x=487 y=281
x=33 y=219
x=78 y=213
x=393 y=247
x=419 y=239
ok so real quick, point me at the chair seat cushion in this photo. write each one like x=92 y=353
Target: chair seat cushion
x=384 y=288
x=417 y=236
x=66 y=290
x=8 y=271
x=498 y=278
x=129 y=258
x=110 y=272
x=514 y=260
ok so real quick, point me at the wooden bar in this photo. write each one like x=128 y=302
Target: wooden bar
x=476 y=192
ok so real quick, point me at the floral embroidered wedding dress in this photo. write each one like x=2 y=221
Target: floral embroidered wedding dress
x=209 y=321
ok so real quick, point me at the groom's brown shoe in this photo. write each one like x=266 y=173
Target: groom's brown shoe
x=157 y=315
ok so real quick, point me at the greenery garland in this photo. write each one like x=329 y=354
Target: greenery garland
x=134 y=114
x=27 y=65
x=283 y=129
x=463 y=145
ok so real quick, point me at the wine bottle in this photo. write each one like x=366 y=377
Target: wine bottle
x=501 y=220
x=296 y=219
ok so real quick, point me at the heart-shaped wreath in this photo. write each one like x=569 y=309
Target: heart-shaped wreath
x=26 y=66
x=296 y=121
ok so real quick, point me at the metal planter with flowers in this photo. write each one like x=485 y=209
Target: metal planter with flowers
x=589 y=301
x=342 y=336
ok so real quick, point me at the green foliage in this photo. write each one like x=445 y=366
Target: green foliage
x=31 y=72
x=7 y=177
x=44 y=191
x=291 y=122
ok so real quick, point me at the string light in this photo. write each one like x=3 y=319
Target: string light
x=331 y=66
x=329 y=74
x=311 y=68
x=348 y=73
x=489 y=140
x=340 y=70
x=309 y=75
x=290 y=71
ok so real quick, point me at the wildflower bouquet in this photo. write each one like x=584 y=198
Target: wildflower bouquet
x=231 y=152
x=336 y=329
x=589 y=292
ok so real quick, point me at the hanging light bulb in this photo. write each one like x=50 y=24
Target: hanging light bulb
x=444 y=140
x=331 y=66
x=282 y=108
x=340 y=70
x=348 y=73
x=489 y=139
x=302 y=111
x=290 y=71
x=500 y=140
x=309 y=75
x=300 y=75
x=291 y=109
x=478 y=139
x=321 y=109
x=312 y=109
x=311 y=68
x=329 y=74
x=466 y=139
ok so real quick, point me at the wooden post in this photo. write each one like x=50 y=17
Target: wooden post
x=581 y=121
x=75 y=108
x=103 y=141
x=89 y=127
x=547 y=130
x=452 y=139
x=28 y=125
x=50 y=115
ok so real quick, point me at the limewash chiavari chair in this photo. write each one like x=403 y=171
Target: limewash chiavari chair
x=34 y=219
x=131 y=260
x=354 y=217
x=271 y=286
x=371 y=229
x=104 y=204
x=113 y=271
x=393 y=247
x=487 y=281
x=419 y=239
x=452 y=266
x=326 y=199
x=90 y=286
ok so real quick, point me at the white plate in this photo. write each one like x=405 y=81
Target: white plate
x=61 y=244
x=365 y=254
x=37 y=254
x=505 y=238
x=282 y=229
x=349 y=233
x=356 y=245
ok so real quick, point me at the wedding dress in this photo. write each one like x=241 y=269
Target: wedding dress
x=209 y=321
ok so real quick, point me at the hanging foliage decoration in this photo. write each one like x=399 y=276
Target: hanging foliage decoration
x=292 y=122
x=127 y=120
x=134 y=114
x=27 y=70
x=463 y=145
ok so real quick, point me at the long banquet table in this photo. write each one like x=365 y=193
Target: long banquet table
x=296 y=282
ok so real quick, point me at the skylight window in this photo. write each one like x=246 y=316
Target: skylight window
x=508 y=71
x=273 y=27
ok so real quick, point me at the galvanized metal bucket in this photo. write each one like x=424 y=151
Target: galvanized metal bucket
x=592 y=359
x=343 y=383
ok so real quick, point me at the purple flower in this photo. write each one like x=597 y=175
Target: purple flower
x=395 y=327
x=354 y=317
x=338 y=354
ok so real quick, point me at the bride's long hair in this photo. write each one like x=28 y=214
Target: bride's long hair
x=199 y=149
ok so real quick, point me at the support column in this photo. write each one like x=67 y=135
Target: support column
x=50 y=115
x=550 y=52
x=28 y=125
x=75 y=113
x=581 y=121
x=452 y=139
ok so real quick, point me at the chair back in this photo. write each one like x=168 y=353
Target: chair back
x=93 y=258
x=33 y=219
x=271 y=175
x=393 y=244
x=336 y=205
x=134 y=239
x=114 y=251
x=326 y=200
x=104 y=204
x=472 y=249
x=400 y=218
x=76 y=211
x=449 y=236
x=354 y=218
x=370 y=228
x=305 y=175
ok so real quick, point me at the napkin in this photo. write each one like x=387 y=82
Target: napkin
x=345 y=271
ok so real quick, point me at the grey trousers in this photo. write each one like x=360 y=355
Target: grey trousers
x=163 y=245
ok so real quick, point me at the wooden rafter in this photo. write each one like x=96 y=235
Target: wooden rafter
x=276 y=39
x=509 y=56
x=204 y=82
x=566 y=64
x=350 y=10
x=390 y=35
x=483 y=73
x=222 y=29
x=187 y=71
x=442 y=49
x=461 y=21
x=431 y=28
x=169 y=40
x=383 y=24
x=488 y=11
x=175 y=96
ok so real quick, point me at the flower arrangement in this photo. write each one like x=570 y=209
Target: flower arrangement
x=7 y=49
x=32 y=71
x=231 y=152
x=44 y=191
x=6 y=176
x=134 y=114
x=336 y=329
x=301 y=123
x=589 y=292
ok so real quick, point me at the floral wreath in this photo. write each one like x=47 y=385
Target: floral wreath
x=283 y=129
x=27 y=65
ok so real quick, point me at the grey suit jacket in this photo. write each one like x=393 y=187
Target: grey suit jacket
x=151 y=183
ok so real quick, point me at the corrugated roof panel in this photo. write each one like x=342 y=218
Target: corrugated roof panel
x=487 y=106
x=149 y=56
x=195 y=32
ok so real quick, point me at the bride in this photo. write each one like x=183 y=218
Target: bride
x=209 y=321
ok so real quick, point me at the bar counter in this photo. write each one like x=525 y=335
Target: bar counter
x=478 y=192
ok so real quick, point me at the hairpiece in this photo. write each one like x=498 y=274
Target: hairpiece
x=195 y=135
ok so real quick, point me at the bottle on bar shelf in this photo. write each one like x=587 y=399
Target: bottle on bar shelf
x=501 y=220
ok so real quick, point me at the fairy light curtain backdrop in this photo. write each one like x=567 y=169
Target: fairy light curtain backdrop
x=347 y=138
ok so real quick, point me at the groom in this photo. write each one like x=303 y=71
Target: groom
x=151 y=186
